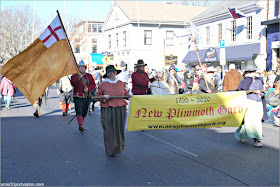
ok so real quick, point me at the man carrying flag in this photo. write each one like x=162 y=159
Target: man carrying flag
x=235 y=13
x=45 y=61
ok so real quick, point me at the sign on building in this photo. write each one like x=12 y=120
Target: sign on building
x=211 y=55
x=170 y=60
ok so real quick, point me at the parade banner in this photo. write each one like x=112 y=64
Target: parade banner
x=157 y=112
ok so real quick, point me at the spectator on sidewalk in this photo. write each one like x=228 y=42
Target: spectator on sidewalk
x=7 y=89
x=232 y=79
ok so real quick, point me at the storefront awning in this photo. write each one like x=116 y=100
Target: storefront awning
x=96 y=58
x=233 y=53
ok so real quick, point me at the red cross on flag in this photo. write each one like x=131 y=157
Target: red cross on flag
x=45 y=61
x=53 y=33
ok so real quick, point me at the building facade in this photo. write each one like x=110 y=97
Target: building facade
x=88 y=43
x=243 y=38
x=140 y=30
x=273 y=44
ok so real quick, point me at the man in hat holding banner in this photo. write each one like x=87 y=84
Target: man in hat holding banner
x=212 y=83
x=140 y=80
x=83 y=85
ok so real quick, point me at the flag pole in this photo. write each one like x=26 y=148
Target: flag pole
x=199 y=62
x=68 y=43
x=79 y=73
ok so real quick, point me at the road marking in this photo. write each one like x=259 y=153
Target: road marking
x=170 y=144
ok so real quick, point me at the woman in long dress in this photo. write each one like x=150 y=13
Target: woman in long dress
x=252 y=127
x=113 y=111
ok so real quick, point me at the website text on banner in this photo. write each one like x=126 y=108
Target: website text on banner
x=154 y=112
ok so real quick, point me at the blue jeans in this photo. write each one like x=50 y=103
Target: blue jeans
x=8 y=99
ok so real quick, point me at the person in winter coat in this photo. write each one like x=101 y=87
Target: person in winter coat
x=232 y=79
x=7 y=90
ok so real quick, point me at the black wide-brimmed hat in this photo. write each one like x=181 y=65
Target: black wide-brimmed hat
x=109 y=69
x=140 y=63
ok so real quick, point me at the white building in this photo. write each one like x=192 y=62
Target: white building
x=245 y=41
x=89 y=41
x=142 y=30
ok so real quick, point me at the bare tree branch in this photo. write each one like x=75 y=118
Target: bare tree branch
x=16 y=30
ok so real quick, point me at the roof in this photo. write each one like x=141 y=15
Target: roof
x=158 y=11
x=222 y=6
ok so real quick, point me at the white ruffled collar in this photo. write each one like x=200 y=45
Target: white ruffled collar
x=112 y=82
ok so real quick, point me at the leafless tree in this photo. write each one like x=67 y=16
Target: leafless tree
x=16 y=27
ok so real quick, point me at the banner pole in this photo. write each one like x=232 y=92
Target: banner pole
x=200 y=62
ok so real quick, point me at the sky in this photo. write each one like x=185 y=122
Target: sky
x=46 y=10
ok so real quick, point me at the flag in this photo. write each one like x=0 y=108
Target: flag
x=235 y=13
x=45 y=61
x=194 y=32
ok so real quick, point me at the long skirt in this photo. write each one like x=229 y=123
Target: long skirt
x=252 y=127
x=113 y=121
x=81 y=106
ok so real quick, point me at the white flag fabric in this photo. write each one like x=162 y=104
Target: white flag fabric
x=53 y=33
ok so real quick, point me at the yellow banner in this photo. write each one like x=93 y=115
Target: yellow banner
x=155 y=112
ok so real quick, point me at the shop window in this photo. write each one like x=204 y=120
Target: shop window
x=233 y=31
x=148 y=37
x=249 y=27
x=237 y=65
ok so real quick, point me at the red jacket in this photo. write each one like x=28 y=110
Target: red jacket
x=140 y=83
x=79 y=87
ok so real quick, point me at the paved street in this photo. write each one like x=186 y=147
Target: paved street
x=46 y=150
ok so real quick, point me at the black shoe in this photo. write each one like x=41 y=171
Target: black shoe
x=36 y=114
x=64 y=113
x=93 y=109
x=112 y=155
x=81 y=128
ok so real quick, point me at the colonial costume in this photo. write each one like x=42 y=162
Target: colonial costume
x=83 y=84
x=113 y=112
x=64 y=89
x=211 y=81
x=173 y=80
x=140 y=80
x=252 y=127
